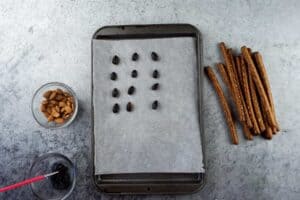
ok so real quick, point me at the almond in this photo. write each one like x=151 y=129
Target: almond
x=68 y=109
x=53 y=102
x=59 y=97
x=68 y=103
x=71 y=99
x=46 y=114
x=59 y=120
x=67 y=94
x=47 y=94
x=49 y=110
x=61 y=104
x=52 y=96
x=59 y=91
x=66 y=116
x=45 y=102
x=57 y=109
x=50 y=118
x=54 y=113
x=43 y=107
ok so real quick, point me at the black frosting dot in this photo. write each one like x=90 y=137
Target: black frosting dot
x=135 y=56
x=154 y=56
x=113 y=76
x=129 y=107
x=115 y=60
x=131 y=90
x=134 y=74
x=116 y=108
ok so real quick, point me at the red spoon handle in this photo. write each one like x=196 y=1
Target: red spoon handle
x=22 y=183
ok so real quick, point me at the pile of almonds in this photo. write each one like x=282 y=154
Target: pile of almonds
x=58 y=105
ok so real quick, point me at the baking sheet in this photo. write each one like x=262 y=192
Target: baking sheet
x=147 y=141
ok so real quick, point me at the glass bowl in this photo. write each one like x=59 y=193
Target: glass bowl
x=37 y=101
x=43 y=165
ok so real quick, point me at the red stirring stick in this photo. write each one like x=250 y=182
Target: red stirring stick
x=26 y=182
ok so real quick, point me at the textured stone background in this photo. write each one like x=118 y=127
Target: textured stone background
x=42 y=41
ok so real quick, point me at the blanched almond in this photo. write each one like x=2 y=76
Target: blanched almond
x=52 y=96
x=49 y=110
x=53 y=102
x=61 y=104
x=47 y=94
x=71 y=99
x=59 y=97
x=59 y=120
x=66 y=116
x=57 y=108
x=68 y=103
x=43 y=108
x=68 y=109
x=54 y=113
x=46 y=114
x=66 y=94
x=50 y=118
x=59 y=91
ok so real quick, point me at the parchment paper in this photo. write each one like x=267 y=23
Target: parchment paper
x=146 y=140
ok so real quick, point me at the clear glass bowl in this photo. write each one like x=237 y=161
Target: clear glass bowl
x=43 y=165
x=38 y=98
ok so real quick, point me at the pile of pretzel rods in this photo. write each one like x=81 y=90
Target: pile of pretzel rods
x=246 y=79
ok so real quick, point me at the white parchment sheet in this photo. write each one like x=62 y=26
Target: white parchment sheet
x=146 y=140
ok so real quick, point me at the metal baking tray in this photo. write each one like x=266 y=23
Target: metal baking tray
x=152 y=183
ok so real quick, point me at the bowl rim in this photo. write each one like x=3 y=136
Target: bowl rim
x=45 y=155
x=59 y=84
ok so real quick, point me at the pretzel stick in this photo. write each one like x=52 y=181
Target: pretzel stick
x=247 y=94
x=231 y=59
x=265 y=80
x=256 y=107
x=232 y=81
x=240 y=84
x=247 y=132
x=223 y=73
x=268 y=132
x=228 y=116
x=225 y=78
x=256 y=79
x=239 y=69
x=236 y=79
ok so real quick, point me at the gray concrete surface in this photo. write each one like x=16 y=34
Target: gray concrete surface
x=42 y=41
